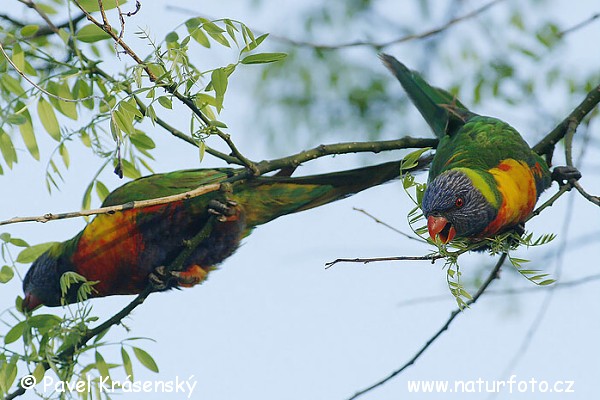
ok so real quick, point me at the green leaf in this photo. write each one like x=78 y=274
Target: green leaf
x=124 y=120
x=12 y=85
x=199 y=37
x=91 y=33
x=48 y=119
x=254 y=43
x=29 y=30
x=92 y=5
x=131 y=107
x=130 y=170
x=7 y=149
x=64 y=153
x=15 y=333
x=39 y=372
x=171 y=37
x=82 y=91
x=29 y=254
x=67 y=108
x=127 y=364
x=44 y=322
x=211 y=27
x=28 y=135
x=218 y=80
x=18 y=242
x=6 y=273
x=219 y=38
x=101 y=366
x=263 y=58
x=165 y=102
x=87 y=197
x=145 y=359
x=101 y=190
x=18 y=57
x=411 y=159
x=201 y=150
x=142 y=141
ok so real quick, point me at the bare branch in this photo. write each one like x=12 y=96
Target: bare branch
x=546 y=145
x=377 y=220
x=491 y=277
x=579 y=25
x=346 y=148
x=118 y=208
x=594 y=199
x=376 y=45
x=429 y=257
x=508 y=292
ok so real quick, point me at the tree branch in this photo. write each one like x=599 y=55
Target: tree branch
x=117 y=208
x=376 y=45
x=346 y=148
x=507 y=292
x=493 y=275
x=546 y=145
x=398 y=231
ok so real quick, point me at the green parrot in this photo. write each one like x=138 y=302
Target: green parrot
x=126 y=250
x=484 y=178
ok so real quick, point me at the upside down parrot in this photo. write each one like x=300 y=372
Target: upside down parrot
x=126 y=250
x=484 y=178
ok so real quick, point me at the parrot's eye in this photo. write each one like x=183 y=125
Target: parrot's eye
x=459 y=202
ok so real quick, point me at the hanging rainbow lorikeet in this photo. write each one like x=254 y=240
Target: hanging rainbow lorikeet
x=484 y=178
x=125 y=250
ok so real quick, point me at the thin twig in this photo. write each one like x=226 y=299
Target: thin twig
x=377 y=220
x=593 y=199
x=579 y=25
x=429 y=257
x=546 y=145
x=507 y=292
x=548 y=203
x=380 y=45
x=492 y=276
x=118 y=208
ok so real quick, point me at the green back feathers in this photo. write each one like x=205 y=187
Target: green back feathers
x=264 y=198
x=441 y=110
x=481 y=144
x=162 y=185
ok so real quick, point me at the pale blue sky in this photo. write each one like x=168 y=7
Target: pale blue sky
x=272 y=323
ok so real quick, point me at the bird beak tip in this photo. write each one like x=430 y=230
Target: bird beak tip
x=438 y=226
x=30 y=302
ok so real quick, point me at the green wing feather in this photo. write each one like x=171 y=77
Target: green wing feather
x=264 y=198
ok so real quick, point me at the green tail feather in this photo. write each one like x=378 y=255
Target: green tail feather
x=269 y=197
x=442 y=111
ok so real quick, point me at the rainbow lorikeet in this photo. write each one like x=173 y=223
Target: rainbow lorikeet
x=124 y=250
x=484 y=178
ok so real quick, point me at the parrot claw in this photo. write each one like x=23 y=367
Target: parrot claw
x=224 y=212
x=565 y=174
x=162 y=279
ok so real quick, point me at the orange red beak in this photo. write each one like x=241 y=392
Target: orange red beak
x=439 y=226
